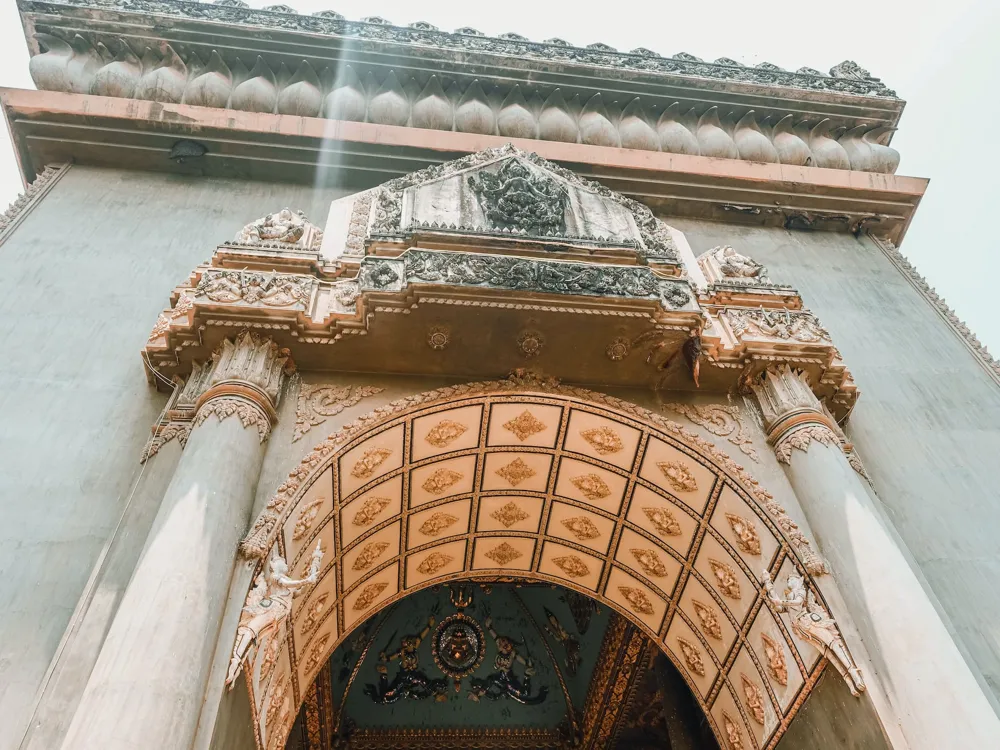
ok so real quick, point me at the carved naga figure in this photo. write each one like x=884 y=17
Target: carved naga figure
x=409 y=682
x=571 y=644
x=504 y=683
x=284 y=226
x=812 y=623
x=267 y=608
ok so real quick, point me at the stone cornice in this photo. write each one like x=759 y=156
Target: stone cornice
x=27 y=200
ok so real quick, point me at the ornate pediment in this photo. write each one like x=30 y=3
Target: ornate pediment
x=283 y=230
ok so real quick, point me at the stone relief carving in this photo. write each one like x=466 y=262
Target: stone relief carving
x=779 y=324
x=720 y=420
x=248 y=412
x=725 y=579
x=253 y=287
x=503 y=554
x=708 y=618
x=650 y=562
x=316 y=403
x=724 y=265
x=434 y=562
x=747 y=538
x=678 y=476
x=776 y=665
x=444 y=433
x=515 y=198
x=530 y=343
x=692 y=657
x=812 y=623
x=368 y=595
x=281 y=229
x=178 y=431
x=753 y=698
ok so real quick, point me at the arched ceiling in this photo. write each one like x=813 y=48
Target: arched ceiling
x=510 y=484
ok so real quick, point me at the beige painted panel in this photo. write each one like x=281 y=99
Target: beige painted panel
x=375 y=506
x=369 y=554
x=636 y=597
x=316 y=651
x=437 y=523
x=590 y=484
x=696 y=598
x=752 y=694
x=445 y=431
x=435 y=562
x=517 y=472
x=505 y=419
x=658 y=452
x=602 y=438
x=503 y=553
x=370 y=460
x=756 y=545
x=324 y=537
x=509 y=513
x=453 y=476
x=581 y=526
x=718 y=568
x=691 y=662
x=310 y=610
x=675 y=526
x=649 y=560
x=765 y=625
x=366 y=596
x=725 y=708
x=314 y=507
x=571 y=565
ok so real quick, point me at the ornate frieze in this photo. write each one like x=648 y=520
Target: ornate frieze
x=317 y=403
x=283 y=230
x=789 y=325
x=23 y=204
x=253 y=288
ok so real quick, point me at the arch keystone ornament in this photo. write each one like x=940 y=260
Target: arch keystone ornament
x=451 y=538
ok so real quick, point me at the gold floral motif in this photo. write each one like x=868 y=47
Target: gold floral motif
x=516 y=472
x=775 y=660
x=725 y=576
x=509 y=514
x=277 y=701
x=370 y=510
x=268 y=661
x=306 y=518
x=650 y=562
x=440 y=480
x=316 y=653
x=678 y=475
x=444 y=433
x=603 y=439
x=369 y=554
x=747 y=538
x=437 y=523
x=637 y=600
x=433 y=563
x=572 y=566
x=708 y=618
x=581 y=527
x=368 y=595
x=733 y=737
x=692 y=657
x=753 y=697
x=524 y=425
x=663 y=521
x=503 y=554
x=592 y=486
x=313 y=614
x=370 y=460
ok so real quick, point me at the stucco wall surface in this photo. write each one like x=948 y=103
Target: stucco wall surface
x=86 y=273
x=927 y=424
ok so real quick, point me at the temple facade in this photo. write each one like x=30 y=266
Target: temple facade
x=382 y=387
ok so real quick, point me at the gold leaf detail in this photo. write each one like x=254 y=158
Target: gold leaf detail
x=306 y=518
x=313 y=614
x=775 y=660
x=650 y=562
x=368 y=595
x=572 y=566
x=516 y=472
x=754 y=700
x=747 y=538
x=733 y=737
x=503 y=555
x=440 y=480
x=370 y=510
x=437 y=523
x=592 y=486
x=603 y=439
x=725 y=576
x=509 y=514
x=370 y=460
x=708 y=618
x=678 y=475
x=433 y=563
x=316 y=653
x=663 y=521
x=369 y=554
x=581 y=527
x=524 y=425
x=444 y=433
x=637 y=600
x=692 y=657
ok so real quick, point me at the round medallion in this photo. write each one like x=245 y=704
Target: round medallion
x=458 y=645
x=618 y=349
x=438 y=338
x=530 y=343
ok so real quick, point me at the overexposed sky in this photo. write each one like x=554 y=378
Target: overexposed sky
x=942 y=58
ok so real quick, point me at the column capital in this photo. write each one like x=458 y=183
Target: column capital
x=793 y=416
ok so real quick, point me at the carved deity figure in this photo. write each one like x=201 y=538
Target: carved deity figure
x=284 y=226
x=734 y=265
x=812 y=623
x=571 y=644
x=515 y=197
x=503 y=683
x=410 y=681
x=267 y=608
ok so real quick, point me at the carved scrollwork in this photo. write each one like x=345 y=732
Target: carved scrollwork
x=516 y=198
x=253 y=287
x=316 y=403
x=781 y=324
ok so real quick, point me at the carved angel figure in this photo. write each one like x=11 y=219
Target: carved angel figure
x=284 y=226
x=503 y=683
x=267 y=608
x=409 y=682
x=812 y=623
x=735 y=265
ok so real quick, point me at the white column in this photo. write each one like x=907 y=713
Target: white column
x=937 y=700
x=147 y=687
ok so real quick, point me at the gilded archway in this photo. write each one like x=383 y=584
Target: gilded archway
x=525 y=479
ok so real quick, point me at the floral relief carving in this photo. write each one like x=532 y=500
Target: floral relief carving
x=179 y=431
x=775 y=659
x=368 y=595
x=708 y=618
x=252 y=287
x=734 y=738
x=369 y=554
x=316 y=653
x=162 y=325
x=692 y=657
x=801 y=439
x=524 y=425
x=754 y=699
x=370 y=510
x=581 y=527
x=722 y=421
x=572 y=566
x=637 y=600
x=369 y=462
x=726 y=578
x=776 y=324
x=440 y=480
x=503 y=554
x=248 y=413
x=277 y=701
x=747 y=538
x=433 y=563
x=650 y=562
x=269 y=659
x=678 y=475
x=603 y=439
x=592 y=486
x=444 y=433
x=314 y=614
x=509 y=514
x=437 y=523
x=516 y=472
x=318 y=402
x=306 y=518
x=663 y=521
